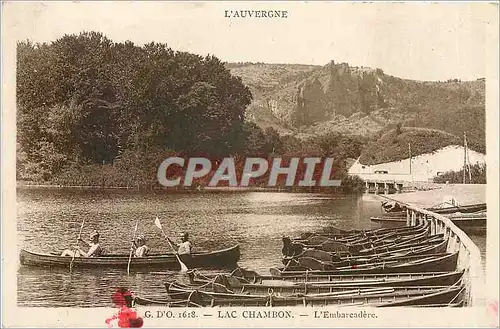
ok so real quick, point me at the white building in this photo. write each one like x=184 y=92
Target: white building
x=424 y=167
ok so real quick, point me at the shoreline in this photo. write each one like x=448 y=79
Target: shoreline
x=221 y=189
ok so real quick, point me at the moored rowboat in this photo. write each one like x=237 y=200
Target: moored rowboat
x=448 y=209
x=225 y=258
x=457 y=219
x=239 y=278
x=178 y=291
x=441 y=297
x=361 y=236
x=430 y=263
x=409 y=254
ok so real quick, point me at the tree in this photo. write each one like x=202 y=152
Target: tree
x=93 y=100
x=477 y=173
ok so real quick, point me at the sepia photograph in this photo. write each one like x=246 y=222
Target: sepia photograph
x=253 y=164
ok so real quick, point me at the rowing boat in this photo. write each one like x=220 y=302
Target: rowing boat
x=334 y=252
x=360 y=244
x=472 y=224
x=430 y=263
x=352 y=236
x=225 y=258
x=139 y=300
x=384 y=298
x=444 y=279
x=410 y=252
x=455 y=218
x=446 y=210
x=340 y=248
x=241 y=276
x=176 y=290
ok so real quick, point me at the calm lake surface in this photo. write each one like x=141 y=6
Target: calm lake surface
x=49 y=221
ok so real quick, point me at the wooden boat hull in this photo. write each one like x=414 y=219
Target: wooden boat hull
x=324 y=287
x=226 y=258
x=448 y=210
x=217 y=291
x=457 y=220
x=393 y=279
x=139 y=300
x=411 y=247
x=283 y=288
x=363 y=236
x=463 y=209
x=409 y=254
x=441 y=297
x=445 y=263
x=392 y=220
x=451 y=295
x=362 y=245
x=349 y=236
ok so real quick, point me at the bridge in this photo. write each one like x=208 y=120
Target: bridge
x=385 y=186
x=385 y=183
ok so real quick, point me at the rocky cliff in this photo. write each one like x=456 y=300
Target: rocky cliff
x=312 y=100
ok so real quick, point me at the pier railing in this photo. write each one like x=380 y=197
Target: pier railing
x=469 y=256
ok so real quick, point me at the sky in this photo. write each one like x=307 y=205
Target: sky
x=420 y=41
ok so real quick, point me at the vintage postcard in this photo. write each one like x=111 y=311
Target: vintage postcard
x=249 y=164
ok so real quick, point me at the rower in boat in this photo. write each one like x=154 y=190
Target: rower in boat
x=95 y=249
x=141 y=250
x=183 y=248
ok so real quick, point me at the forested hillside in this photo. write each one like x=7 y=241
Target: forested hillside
x=313 y=100
x=84 y=99
x=396 y=144
x=91 y=111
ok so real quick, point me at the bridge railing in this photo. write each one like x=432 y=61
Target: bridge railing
x=375 y=177
x=469 y=255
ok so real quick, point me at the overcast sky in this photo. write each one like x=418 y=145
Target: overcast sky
x=410 y=40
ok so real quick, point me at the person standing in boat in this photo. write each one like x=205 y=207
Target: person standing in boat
x=95 y=249
x=183 y=248
x=141 y=250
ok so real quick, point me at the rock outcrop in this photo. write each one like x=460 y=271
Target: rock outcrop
x=309 y=99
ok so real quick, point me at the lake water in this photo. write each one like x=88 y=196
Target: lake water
x=49 y=221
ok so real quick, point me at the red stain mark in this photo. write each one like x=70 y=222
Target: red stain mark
x=493 y=307
x=127 y=316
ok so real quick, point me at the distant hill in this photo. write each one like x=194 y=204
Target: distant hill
x=308 y=100
x=393 y=145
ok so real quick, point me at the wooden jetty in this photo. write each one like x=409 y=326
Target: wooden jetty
x=430 y=263
x=469 y=255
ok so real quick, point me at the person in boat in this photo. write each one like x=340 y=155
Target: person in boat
x=291 y=249
x=141 y=250
x=94 y=250
x=183 y=248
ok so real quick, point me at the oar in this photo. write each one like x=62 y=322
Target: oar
x=132 y=248
x=183 y=266
x=77 y=241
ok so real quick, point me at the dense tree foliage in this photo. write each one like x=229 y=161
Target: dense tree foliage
x=392 y=145
x=84 y=99
x=95 y=112
x=477 y=175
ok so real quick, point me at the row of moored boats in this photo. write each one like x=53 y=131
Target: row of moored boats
x=467 y=217
x=404 y=266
